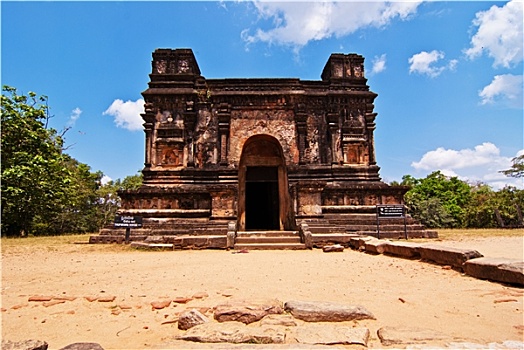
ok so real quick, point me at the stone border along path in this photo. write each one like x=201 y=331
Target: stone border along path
x=471 y=262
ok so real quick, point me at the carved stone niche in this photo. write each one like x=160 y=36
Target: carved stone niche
x=223 y=202
x=309 y=199
x=169 y=155
x=356 y=154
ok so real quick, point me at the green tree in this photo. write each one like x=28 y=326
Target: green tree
x=517 y=168
x=34 y=174
x=437 y=200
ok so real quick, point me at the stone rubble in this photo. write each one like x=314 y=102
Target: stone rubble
x=247 y=312
x=190 y=319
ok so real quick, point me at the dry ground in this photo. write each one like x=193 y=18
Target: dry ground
x=399 y=292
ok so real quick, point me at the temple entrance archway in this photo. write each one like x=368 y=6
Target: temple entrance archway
x=264 y=202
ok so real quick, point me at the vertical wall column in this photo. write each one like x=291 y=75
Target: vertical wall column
x=301 y=123
x=332 y=120
x=224 y=123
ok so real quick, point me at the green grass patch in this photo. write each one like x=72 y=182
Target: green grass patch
x=62 y=243
x=455 y=234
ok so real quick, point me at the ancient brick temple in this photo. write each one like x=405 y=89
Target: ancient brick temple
x=284 y=158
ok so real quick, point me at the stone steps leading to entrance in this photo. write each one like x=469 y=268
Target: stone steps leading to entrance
x=268 y=240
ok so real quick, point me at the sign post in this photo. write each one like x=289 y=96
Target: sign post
x=128 y=222
x=391 y=211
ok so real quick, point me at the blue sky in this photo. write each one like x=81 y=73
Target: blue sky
x=448 y=74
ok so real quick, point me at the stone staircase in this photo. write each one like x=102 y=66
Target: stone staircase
x=268 y=240
x=366 y=224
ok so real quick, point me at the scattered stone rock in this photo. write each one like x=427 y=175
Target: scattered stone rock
x=404 y=336
x=333 y=248
x=182 y=300
x=18 y=306
x=247 y=311
x=318 y=311
x=507 y=300
x=190 y=319
x=233 y=332
x=125 y=307
x=106 y=299
x=496 y=269
x=83 y=346
x=65 y=298
x=200 y=295
x=455 y=257
x=53 y=302
x=90 y=298
x=24 y=345
x=278 y=320
x=157 y=305
x=329 y=334
x=40 y=298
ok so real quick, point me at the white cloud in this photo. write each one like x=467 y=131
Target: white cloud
x=297 y=23
x=105 y=180
x=482 y=163
x=127 y=114
x=425 y=63
x=499 y=34
x=379 y=64
x=75 y=114
x=506 y=89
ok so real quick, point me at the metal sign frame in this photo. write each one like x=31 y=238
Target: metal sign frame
x=391 y=211
x=127 y=222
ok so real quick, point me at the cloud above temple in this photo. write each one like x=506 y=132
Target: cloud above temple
x=505 y=89
x=426 y=63
x=499 y=34
x=127 y=114
x=75 y=114
x=379 y=64
x=296 y=24
x=482 y=163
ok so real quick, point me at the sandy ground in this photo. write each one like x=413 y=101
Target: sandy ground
x=399 y=292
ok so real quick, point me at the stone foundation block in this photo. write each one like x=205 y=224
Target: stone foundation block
x=402 y=249
x=447 y=255
x=496 y=269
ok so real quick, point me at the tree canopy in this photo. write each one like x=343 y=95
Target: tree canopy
x=44 y=190
x=439 y=201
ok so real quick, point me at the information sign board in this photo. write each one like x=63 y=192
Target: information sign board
x=390 y=211
x=128 y=221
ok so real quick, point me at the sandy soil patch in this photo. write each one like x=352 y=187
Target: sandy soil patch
x=399 y=292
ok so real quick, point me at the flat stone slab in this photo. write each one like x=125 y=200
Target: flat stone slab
x=233 y=332
x=330 y=334
x=247 y=311
x=375 y=246
x=402 y=249
x=442 y=255
x=408 y=335
x=496 y=269
x=319 y=311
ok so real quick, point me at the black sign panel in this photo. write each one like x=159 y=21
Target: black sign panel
x=128 y=221
x=390 y=211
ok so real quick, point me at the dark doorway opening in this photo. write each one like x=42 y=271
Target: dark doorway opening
x=262 y=199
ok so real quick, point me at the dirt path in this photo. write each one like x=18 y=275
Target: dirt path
x=399 y=292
